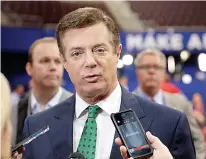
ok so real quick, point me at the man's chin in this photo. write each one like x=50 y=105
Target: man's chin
x=151 y=86
x=93 y=89
x=52 y=85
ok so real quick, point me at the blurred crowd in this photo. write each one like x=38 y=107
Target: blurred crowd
x=45 y=91
x=197 y=103
x=45 y=66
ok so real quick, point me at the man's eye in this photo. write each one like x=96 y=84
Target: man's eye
x=44 y=61
x=58 y=61
x=100 y=50
x=76 y=54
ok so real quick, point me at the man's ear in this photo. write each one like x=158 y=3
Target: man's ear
x=28 y=68
x=65 y=65
x=63 y=61
x=119 y=50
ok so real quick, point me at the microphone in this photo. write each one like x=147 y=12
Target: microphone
x=20 y=146
x=76 y=155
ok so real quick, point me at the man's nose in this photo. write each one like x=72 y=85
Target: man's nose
x=53 y=66
x=151 y=70
x=90 y=60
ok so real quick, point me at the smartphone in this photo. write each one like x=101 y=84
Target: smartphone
x=132 y=134
x=20 y=146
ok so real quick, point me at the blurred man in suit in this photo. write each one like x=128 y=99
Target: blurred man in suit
x=90 y=47
x=17 y=94
x=151 y=66
x=46 y=70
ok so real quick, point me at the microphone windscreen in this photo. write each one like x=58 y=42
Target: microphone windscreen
x=76 y=155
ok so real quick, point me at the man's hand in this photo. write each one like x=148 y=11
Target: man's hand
x=160 y=150
x=18 y=155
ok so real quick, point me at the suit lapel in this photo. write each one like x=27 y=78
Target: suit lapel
x=61 y=128
x=64 y=95
x=129 y=100
x=167 y=100
x=21 y=115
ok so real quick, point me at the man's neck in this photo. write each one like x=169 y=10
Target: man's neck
x=97 y=96
x=44 y=95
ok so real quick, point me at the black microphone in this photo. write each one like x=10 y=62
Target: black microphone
x=76 y=155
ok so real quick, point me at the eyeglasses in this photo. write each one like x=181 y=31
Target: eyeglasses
x=147 y=67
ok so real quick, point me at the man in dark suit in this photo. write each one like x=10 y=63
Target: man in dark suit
x=46 y=70
x=90 y=47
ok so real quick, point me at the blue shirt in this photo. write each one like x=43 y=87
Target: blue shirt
x=158 y=97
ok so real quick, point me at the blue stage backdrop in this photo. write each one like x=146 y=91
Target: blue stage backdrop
x=170 y=42
x=19 y=39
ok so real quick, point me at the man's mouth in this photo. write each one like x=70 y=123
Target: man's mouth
x=92 y=78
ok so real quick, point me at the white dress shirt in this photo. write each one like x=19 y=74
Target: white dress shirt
x=158 y=97
x=15 y=98
x=36 y=107
x=105 y=127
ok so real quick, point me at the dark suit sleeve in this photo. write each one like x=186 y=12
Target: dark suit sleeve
x=182 y=146
x=21 y=116
x=27 y=154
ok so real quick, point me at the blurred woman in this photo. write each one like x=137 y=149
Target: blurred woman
x=199 y=112
x=198 y=107
x=5 y=118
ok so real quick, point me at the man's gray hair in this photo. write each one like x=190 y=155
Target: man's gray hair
x=154 y=52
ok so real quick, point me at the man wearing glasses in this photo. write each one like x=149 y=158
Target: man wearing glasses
x=150 y=70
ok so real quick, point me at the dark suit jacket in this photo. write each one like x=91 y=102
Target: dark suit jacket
x=170 y=125
x=23 y=111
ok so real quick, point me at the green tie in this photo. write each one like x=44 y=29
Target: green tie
x=87 y=143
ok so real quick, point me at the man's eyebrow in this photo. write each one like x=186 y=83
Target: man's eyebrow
x=75 y=48
x=45 y=57
x=81 y=48
x=101 y=44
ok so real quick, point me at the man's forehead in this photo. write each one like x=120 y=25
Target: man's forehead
x=46 y=45
x=97 y=33
x=46 y=53
x=149 y=57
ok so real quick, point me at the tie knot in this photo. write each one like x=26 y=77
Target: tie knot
x=93 y=111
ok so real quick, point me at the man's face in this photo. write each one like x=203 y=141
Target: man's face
x=46 y=69
x=20 y=90
x=90 y=59
x=150 y=72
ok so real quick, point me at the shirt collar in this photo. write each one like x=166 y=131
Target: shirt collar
x=110 y=105
x=52 y=102
x=158 y=97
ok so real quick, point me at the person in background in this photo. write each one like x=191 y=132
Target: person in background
x=6 y=129
x=150 y=71
x=199 y=112
x=17 y=94
x=123 y=80
x=46 y=70
x=168 y=86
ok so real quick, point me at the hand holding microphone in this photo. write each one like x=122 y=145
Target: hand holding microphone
x=20 y=147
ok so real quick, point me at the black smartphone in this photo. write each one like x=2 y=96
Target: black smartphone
x=132 y=134
x=20 y=146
